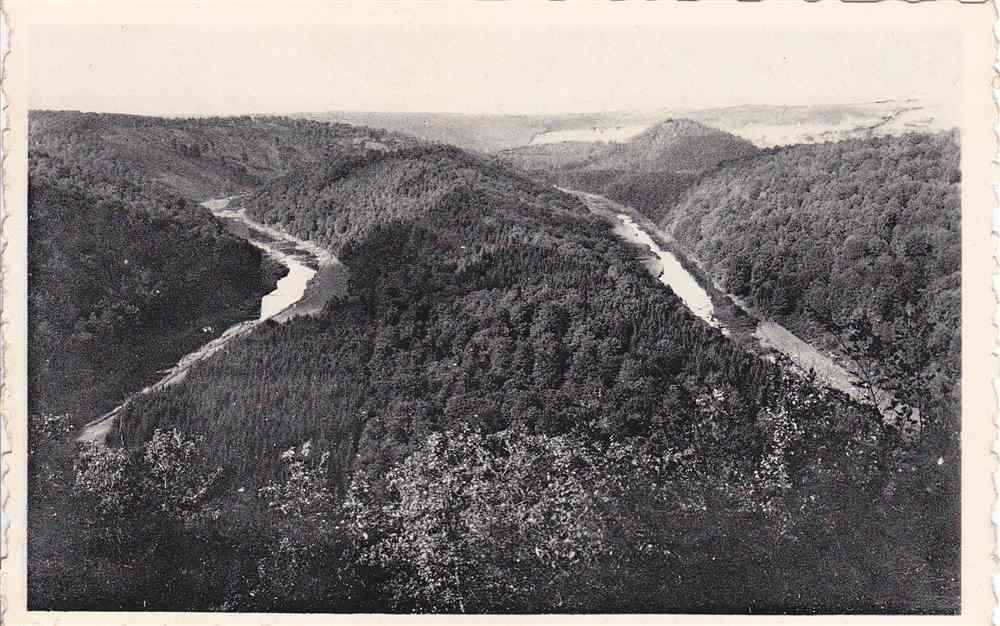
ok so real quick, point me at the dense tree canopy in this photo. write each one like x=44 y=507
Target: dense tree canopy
x=476 y=297
x=480 y=301
x=122 y=278
x=200 y=158
x=504 y=412
x=826 y=235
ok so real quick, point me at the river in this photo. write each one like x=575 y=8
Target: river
x=314 y=276
x=668 y=270
x=770 y=336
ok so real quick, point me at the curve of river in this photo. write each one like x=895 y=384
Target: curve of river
x=314 y=276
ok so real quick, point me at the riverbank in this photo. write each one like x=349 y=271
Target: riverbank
x=768 y=338
x=301 y=291
x=742 y=323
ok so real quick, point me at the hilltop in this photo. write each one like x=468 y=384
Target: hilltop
x=647 y=171
x=681 y=145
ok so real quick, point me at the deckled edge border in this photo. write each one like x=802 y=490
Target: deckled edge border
x=6 y=576
x=995 y=235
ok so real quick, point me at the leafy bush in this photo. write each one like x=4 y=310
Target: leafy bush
x=167 y=476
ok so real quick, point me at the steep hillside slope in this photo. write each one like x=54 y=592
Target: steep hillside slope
x=861 y=234
x=121 y=253
x=122 y=278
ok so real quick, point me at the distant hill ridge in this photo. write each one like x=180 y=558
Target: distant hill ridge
x=764 y=125
x=673 y=145
x=200 y=158
x=650 y=169
x=679 y=145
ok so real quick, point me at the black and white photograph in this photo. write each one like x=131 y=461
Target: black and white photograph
x=479 y=317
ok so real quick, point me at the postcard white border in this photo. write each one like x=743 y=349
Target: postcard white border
x=978 y=154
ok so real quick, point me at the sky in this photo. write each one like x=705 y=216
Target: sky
x=184 y=70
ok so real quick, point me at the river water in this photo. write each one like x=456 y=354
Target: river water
x=289 y=290
x=314 y=276
x=769 y=335
x=668 y=270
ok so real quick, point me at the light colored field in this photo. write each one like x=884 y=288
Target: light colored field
x=606 y=134
x=763 y=125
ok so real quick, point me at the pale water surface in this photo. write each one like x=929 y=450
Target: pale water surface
x=669 y=271
x=290 y=288
x=287 y=300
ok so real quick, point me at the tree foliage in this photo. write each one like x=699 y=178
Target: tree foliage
x=122 y=278
x=505 y=412
x=856 y=241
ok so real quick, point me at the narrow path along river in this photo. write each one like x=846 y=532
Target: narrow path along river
x=768 y=334
x=314 y=276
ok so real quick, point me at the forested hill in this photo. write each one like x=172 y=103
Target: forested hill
x=653 y=167
x=343 y=200
x=673 y=145
x=199 y=158
x=505 y=399
x=677 y=146
x=122 y=277
x=862 y=232
x=505 y=412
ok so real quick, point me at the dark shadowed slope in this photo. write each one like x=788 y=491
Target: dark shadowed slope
x=122 y=280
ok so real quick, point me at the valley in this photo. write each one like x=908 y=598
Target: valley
x=767 y=337
x=457 y=383
x=302 y=291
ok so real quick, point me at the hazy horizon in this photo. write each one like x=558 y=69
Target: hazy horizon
x=176 y=71
x=474 y=114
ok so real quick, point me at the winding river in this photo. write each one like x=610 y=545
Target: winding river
x=314 y=276
x=768 y=335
